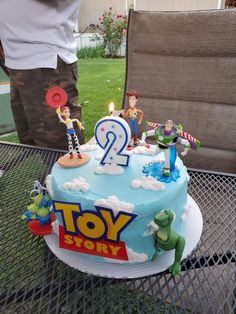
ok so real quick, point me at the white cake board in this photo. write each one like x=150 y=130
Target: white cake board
x=193 y=231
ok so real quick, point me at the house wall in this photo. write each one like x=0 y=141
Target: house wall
x=91 y=10
x=176 y=5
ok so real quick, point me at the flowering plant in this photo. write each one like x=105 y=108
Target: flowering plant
x=113 y=29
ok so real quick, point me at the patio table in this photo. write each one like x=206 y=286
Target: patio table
x=33 y=280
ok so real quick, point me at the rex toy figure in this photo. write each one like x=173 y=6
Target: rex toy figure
x=167 y=239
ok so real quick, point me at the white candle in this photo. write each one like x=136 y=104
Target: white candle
x=113 y=136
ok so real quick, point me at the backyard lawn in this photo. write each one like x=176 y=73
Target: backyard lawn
x=100 y=82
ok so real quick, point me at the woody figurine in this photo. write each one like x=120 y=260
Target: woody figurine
x=134 y=115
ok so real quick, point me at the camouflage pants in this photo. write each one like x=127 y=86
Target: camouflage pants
x=36 y=123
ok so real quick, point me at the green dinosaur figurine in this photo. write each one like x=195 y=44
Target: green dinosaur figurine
x=167 y=239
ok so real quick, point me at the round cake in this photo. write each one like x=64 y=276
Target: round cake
x=118 y=208
x=107 y=212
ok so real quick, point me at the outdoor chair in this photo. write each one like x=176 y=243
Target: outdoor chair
x=184 y=66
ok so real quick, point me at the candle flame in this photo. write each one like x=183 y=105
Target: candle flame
x=111 y=107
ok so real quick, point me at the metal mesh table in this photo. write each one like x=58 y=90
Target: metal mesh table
x=33 y=280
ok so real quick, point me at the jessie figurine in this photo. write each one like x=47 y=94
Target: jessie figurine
x=71 y=134
x=134 y=115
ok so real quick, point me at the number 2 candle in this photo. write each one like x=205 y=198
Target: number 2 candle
x=113 y=136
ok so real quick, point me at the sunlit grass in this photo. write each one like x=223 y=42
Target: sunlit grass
x=100 y=82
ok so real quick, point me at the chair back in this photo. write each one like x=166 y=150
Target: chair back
x=184 y=66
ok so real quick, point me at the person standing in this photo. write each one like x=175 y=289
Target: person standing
x=40 y=52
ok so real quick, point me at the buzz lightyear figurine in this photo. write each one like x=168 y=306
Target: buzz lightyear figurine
x=166 y=136
x=64 y=117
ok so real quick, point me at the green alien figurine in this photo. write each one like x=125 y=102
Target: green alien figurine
x=38 y=210
x=167 y=239
x=33 y=208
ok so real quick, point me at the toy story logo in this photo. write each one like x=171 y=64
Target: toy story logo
x=93 y=232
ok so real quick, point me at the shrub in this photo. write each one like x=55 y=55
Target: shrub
x=90 y=52
x=113 y=29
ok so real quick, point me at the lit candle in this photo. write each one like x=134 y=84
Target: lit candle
x=113 y=136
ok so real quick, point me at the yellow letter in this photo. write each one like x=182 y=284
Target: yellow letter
x=114 y=249
x=78 y=241
x=68 y=239
x=89 y=245
x=91 y=226
x=67 y=210
x=114 y=228
x=101 y=247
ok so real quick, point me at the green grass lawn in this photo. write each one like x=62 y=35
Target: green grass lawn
x=100 y=82
x=10 y=138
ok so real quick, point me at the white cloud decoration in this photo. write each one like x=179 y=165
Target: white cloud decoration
x=55 y=227
x=151 y=229
x=187 y=210
x=147 y=183
x=48 y=183
x=88 y=147
x=99 y=156
x=143 y=150
x=109 y=169
x=133 y=257
x=115 y=204
x=77 y=184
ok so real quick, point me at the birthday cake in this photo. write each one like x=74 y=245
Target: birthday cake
x=108 y=212
x=116 y=210
x=119 y=204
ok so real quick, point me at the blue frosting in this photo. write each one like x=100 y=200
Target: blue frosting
x=147 y=203
x=155 y=169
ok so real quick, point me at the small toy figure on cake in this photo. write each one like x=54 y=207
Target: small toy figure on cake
x=71 y=134
x=38 y=215
x=132 y=115
x=167 y=136
x=167 y=239
x=56 y=97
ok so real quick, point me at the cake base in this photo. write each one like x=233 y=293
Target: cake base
x=193 y=231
